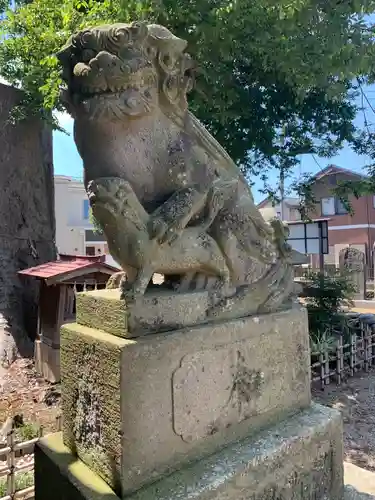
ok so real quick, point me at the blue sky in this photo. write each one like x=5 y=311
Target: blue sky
x=68 y=162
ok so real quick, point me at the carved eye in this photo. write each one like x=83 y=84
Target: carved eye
x=87 y=38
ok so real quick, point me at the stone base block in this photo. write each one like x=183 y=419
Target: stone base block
x=153 y=313
x=298 y=459
x=62 y=476
x=136 y=409
x=156 y=312
x=47 y=361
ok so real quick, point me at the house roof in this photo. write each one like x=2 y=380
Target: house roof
x=68 y=266
x=329 y=170
x=291 y=202
x=334 y=169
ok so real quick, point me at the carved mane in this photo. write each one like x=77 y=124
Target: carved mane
x=175 y=69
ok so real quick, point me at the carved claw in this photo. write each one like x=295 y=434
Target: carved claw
x=156 y=228
x=160 y=231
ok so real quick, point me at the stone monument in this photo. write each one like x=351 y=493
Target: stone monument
x=198 y=388
x=353 y=262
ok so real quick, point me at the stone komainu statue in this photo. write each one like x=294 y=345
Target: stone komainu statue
x=168 y=197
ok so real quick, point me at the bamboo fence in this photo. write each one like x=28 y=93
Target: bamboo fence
x=344 y=356
x=13 y=470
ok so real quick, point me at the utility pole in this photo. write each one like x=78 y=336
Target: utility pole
x=282 y=194
x=282 y=177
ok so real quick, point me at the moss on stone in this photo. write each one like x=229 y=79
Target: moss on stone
x=91 y=400
x=104 y=308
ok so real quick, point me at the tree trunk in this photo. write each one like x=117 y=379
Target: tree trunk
x=27 y=223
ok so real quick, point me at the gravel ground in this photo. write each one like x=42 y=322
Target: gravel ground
x=355 y=398
x=23 y=392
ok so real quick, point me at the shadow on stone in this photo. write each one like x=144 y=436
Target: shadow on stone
x=56 y=466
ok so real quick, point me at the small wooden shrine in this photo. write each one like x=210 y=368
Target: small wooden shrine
x=60 y=280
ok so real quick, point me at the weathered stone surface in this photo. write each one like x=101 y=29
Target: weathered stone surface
x=91 y=398
x=137 y=409
x=168 y=197
x=154 y=312
x=158 y=311
x=353 y=262
x=300 y=459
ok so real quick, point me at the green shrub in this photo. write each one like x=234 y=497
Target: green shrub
x=23 y=480
x=321 y=342
x=326 y=298
x=25 y=432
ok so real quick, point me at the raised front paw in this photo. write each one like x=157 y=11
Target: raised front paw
x=163 y=232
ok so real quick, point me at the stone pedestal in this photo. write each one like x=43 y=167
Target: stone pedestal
x=298 y=459
x=136 y=410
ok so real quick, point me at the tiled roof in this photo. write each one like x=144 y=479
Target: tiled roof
x=66 y=264
x=334 y=169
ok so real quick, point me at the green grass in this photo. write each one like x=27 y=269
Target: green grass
x=26 y=432
x=23 y=480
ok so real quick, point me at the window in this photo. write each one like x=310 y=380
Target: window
x=93 y=236
x=86 y=209
x=295 y=214
x=90 y=250
x=340 y=207
x=332 y=180
x=333 y=206
x=328 y=206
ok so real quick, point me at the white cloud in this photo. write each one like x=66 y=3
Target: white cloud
x=64 y=119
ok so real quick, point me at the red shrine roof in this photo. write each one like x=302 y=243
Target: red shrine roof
x=69 y=266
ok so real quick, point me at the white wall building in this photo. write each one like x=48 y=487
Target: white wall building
x=74 y=231
x=290 y=206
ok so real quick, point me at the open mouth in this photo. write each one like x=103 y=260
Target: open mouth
x=131 y=82
x=110 y=91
